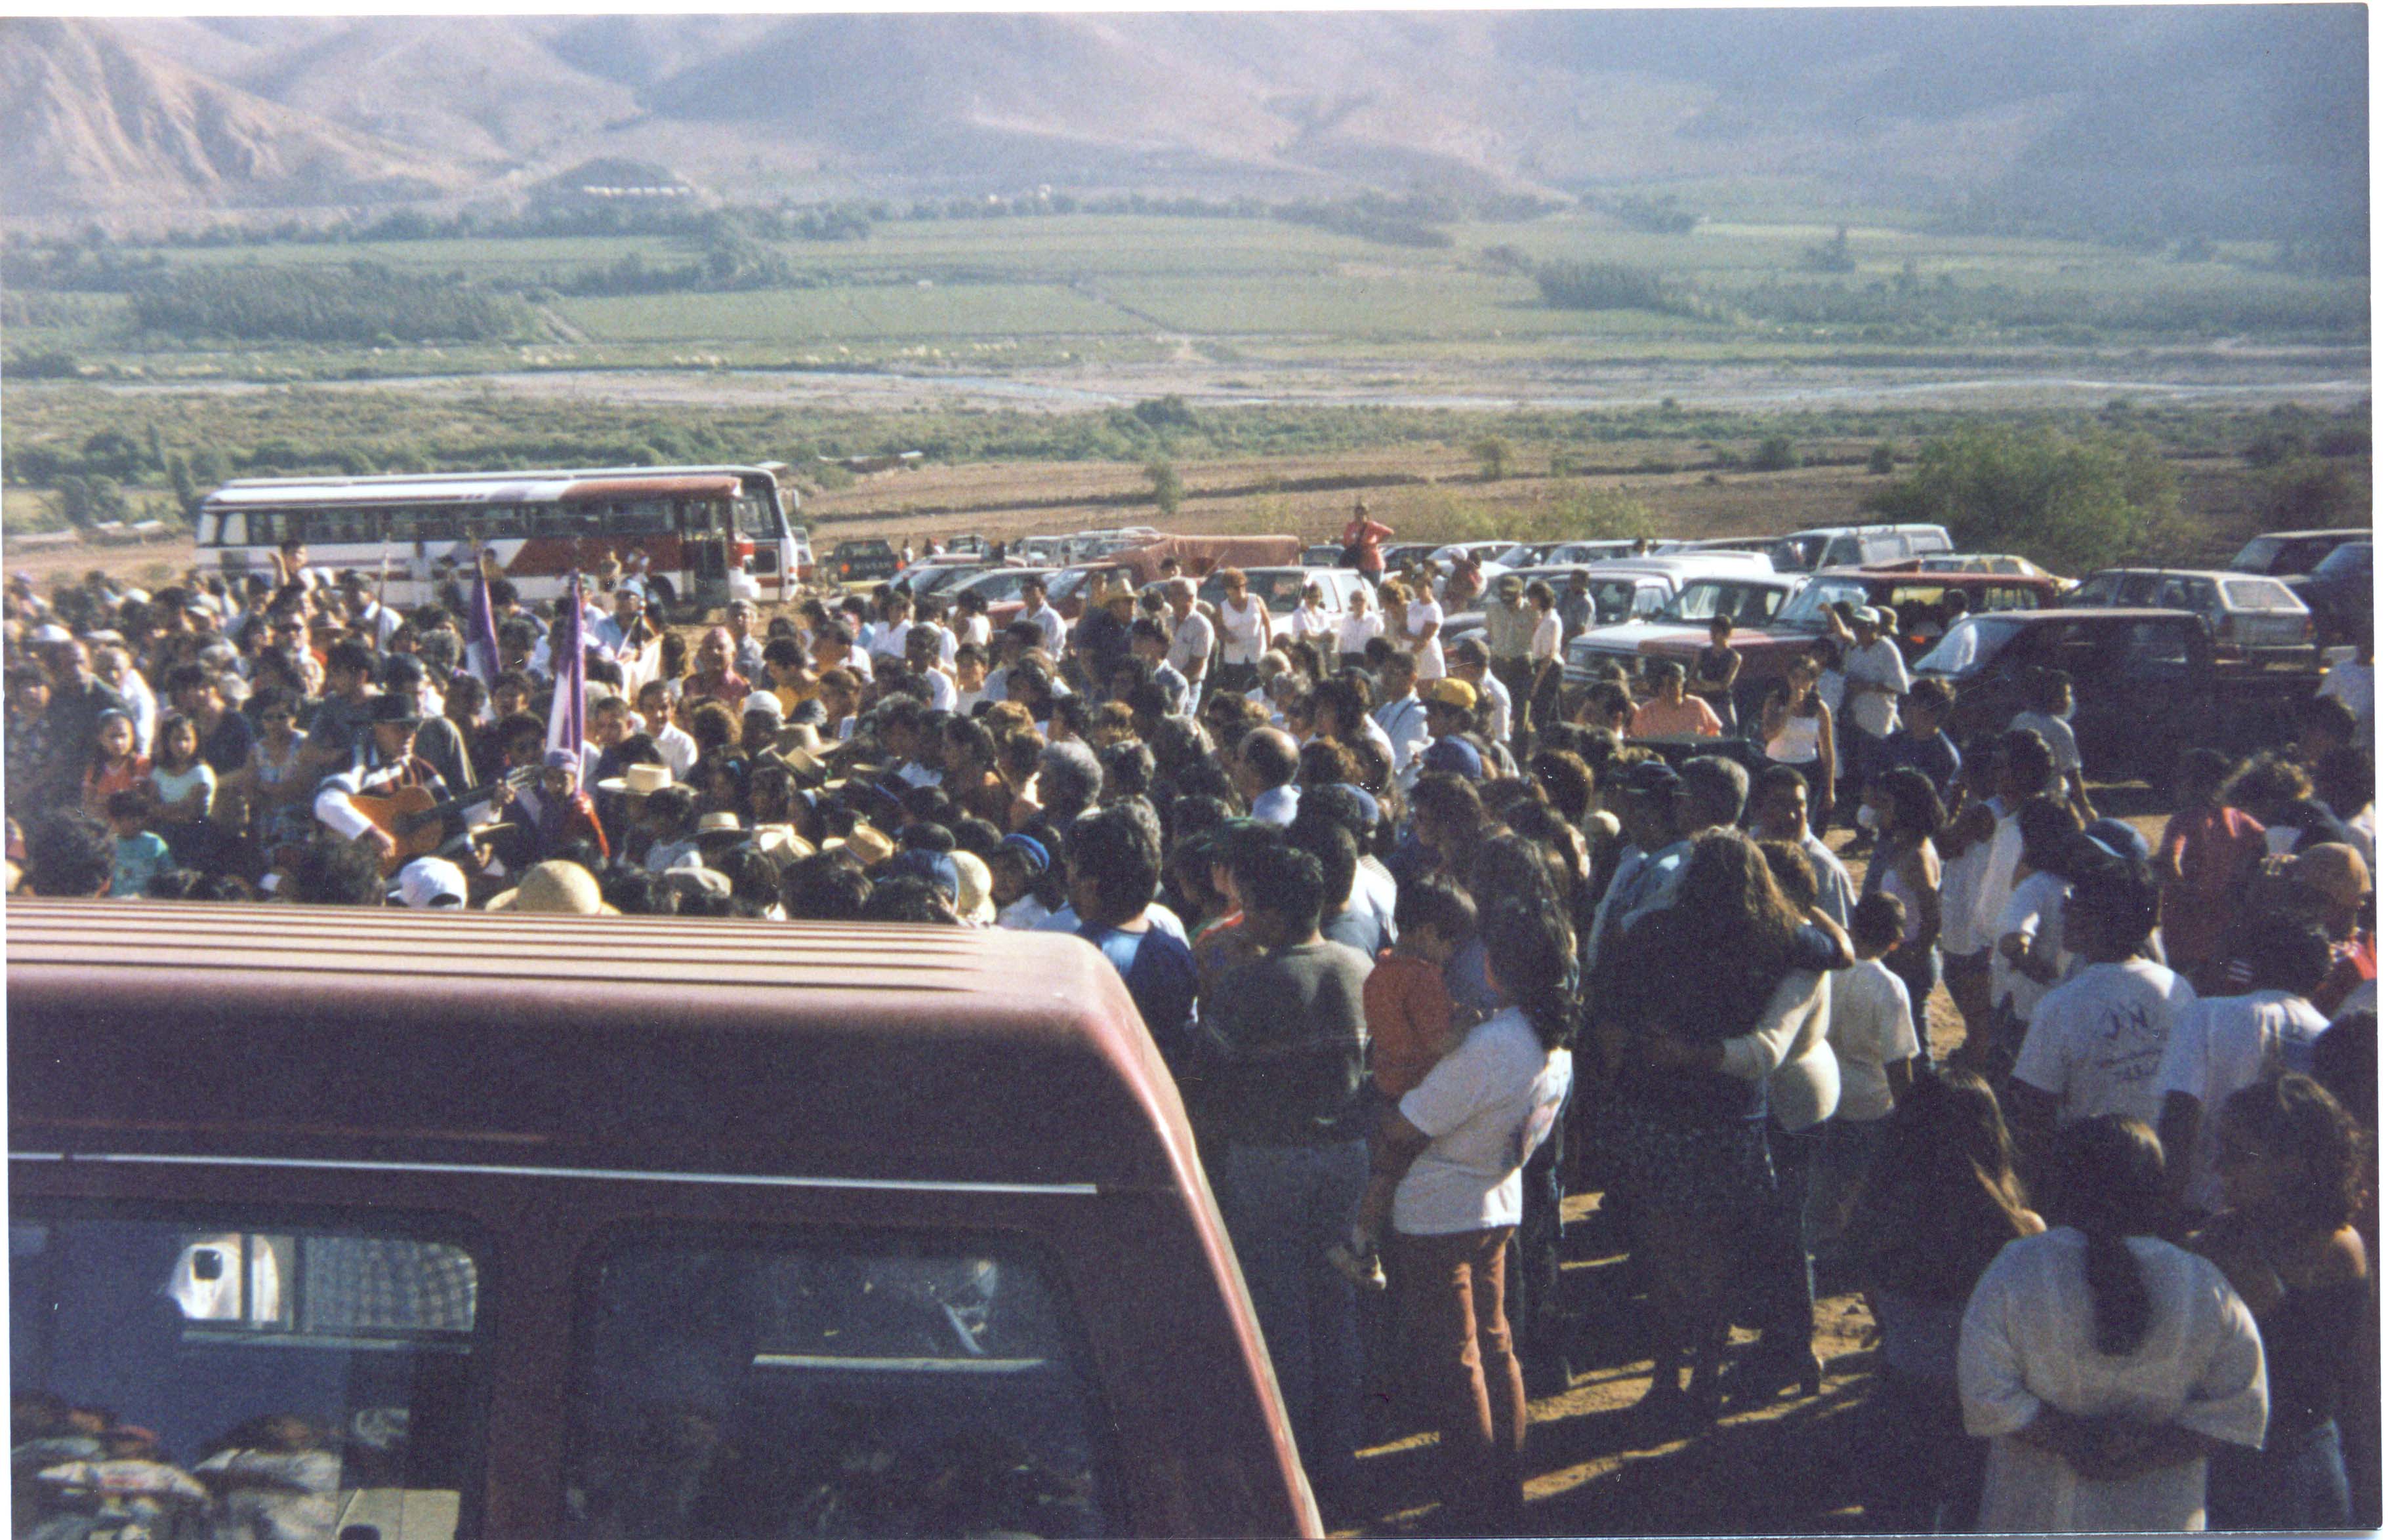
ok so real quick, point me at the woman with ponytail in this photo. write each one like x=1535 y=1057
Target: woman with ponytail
x=2105 y=1364
x=1445 y=1168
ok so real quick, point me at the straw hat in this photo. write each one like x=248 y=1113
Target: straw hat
x=719 y=828
x=781 y=843
x=865 y=843
x=976 y=903
x=553 y=888
x=637 y=780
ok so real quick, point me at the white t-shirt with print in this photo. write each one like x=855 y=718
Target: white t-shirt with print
x=1870 y=1027
x=1487 y=1106
x=2097 y=1040
x=2224 y=1046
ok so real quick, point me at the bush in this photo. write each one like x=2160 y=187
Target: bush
x=1493 y=453
x=1774 y=453
x=1167 y=490
x=1881 y=460
x=2070 y=504
x=2307 y=492
x=1612 y=286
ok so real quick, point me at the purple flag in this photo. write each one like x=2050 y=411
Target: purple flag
x=564 y=725
x=481 y=631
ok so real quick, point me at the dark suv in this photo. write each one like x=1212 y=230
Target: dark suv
x=862 y=561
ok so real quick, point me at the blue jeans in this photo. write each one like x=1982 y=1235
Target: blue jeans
x=2296 y=1481
x=1285 y=1206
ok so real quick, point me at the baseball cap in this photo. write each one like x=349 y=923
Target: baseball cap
x=1454 y=756
x=424 y=882
x=1452 y=692
x=1032 y=854
x=1510 y=583
x=1652 y=777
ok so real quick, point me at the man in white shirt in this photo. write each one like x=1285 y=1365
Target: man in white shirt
x=1874 y=678
x=2097 y=1041
x=1402 y=716
x=1191 y=638
x=1778 y=809
x=2226 y=1044
x=1036 y=610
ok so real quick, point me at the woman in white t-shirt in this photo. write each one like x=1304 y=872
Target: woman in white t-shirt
x=1311 y=617
x=1448 y=1171
x=1422 y=631
x=2105 y=1364
x=1244 y=633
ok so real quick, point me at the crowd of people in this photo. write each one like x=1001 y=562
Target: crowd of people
x=1431 y=938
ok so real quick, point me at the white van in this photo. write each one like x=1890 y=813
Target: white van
x=1858 y=546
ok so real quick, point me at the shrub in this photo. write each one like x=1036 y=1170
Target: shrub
x=1167 y=490
x=1881 y=460
x=2070 y=504
x=1774 y=452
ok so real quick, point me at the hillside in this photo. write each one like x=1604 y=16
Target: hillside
x=2228 y=120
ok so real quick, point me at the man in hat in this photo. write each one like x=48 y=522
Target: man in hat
x=553 y=888
x=1101 y=642
x=382 y=762
x=1876 y=680
x=1450 y=720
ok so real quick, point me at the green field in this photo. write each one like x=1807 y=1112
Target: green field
x=1102 y=287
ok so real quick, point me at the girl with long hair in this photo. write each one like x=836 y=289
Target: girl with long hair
x=1903 y=809
x=1679 y=1044
x=2293 y=1177
x=2104 y=1365
x=1940 y=1199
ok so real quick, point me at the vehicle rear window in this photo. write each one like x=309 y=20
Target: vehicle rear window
x=296 y=1377
x=2246 y=594
x=816 y=1384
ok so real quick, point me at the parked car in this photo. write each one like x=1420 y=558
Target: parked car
x=2285 y=553
x=1750 y=599
x=886 y=1221
x=1569 y=553
x=1489 y=553
x=852 y=562
x=2338 y=591
x=1856 y=546
x=923 y=572
x=1322 y=556
x=2247 y=615
x=1996 y=565
x=2147 y=684
x=1000 y=588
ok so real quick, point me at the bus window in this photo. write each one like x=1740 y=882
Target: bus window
x=645 y=516
x=700 y=515
x=755 y=520
x=300 y=1377
x=827 y=1385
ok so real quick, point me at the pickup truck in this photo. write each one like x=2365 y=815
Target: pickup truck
x=863 y=561
x=1768 y=640
x=2146 y=685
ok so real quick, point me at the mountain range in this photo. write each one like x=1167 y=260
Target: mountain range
x=2225 y=119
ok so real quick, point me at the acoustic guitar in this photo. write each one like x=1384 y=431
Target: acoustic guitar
x=417 y=824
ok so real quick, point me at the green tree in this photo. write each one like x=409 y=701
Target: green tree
x=1167 y=490
x=1881 y=460
x=1493 y=453
x=2309 y=493
x=1774 y=452
x=2069 y=503
x=1601 y=513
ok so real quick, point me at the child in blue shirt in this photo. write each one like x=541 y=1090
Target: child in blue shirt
x=140 y=853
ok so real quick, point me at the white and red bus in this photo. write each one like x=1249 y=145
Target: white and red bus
x=707 y=534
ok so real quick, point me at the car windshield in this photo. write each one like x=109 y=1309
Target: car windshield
x=1968 y=647
x=2258 y=554
x=1747 y=603
x=1806 y=613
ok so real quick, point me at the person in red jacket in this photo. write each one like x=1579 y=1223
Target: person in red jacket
x=1364 y=541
